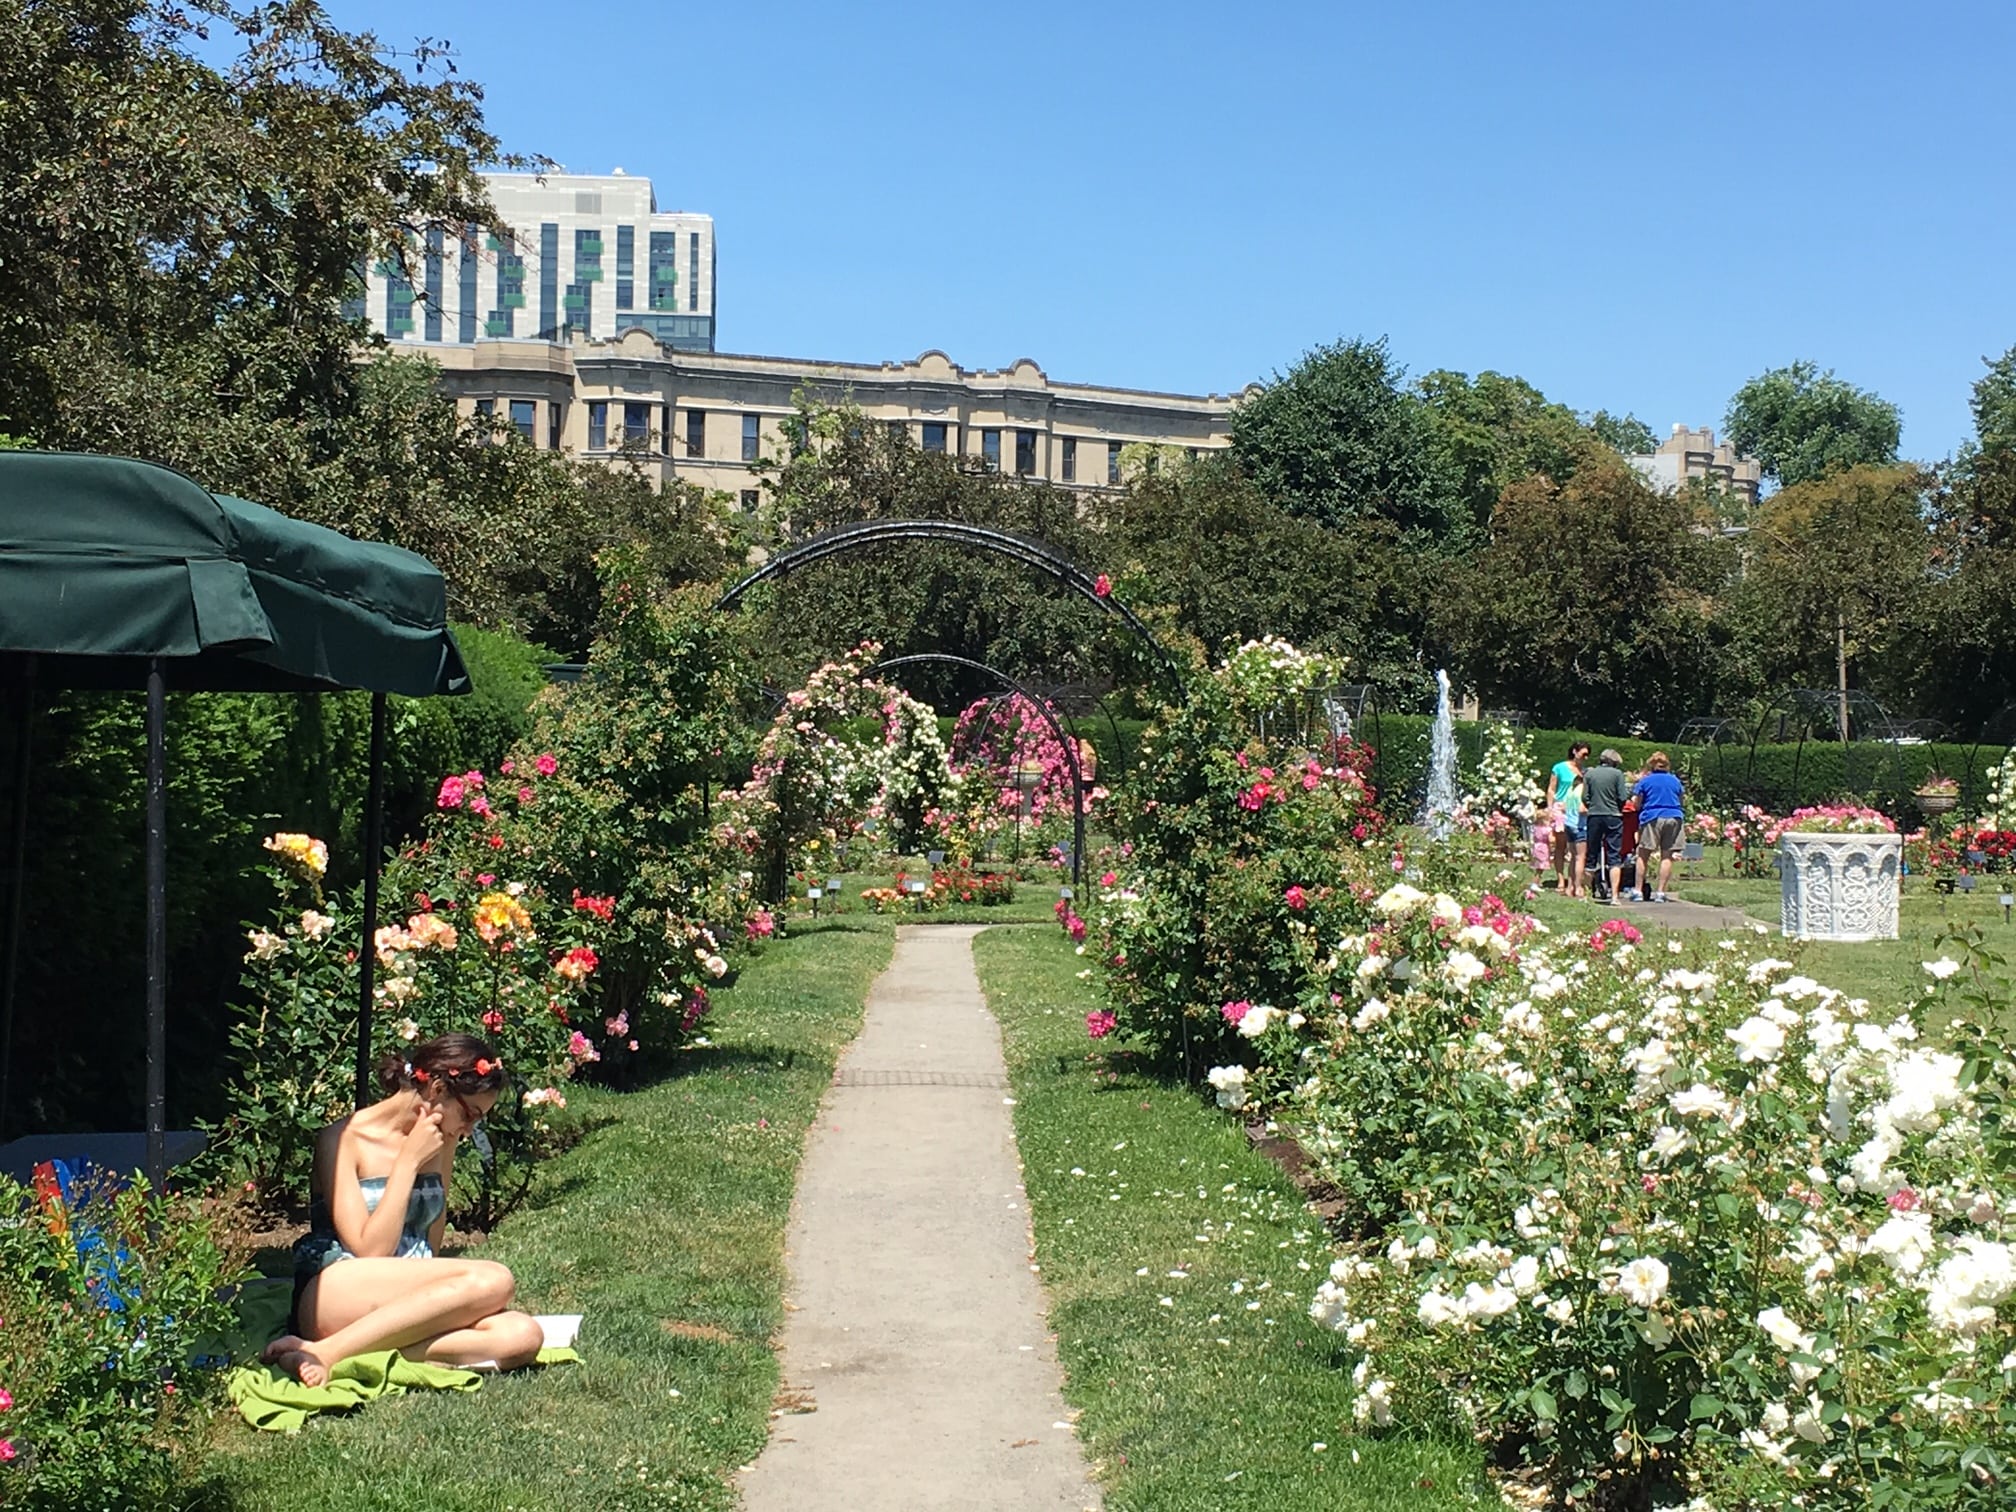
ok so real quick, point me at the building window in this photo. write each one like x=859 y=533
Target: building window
x=626 y=267
x=398 y=303
x=751 y=497
x=696 y=433
x=693 y=273
x=1070 y=459
x=899 y=430
x=1025 y=454
x=663 y=272
x=549 y=282
x=1112 y=461
x=523 y=417
x=598 y=425
x=431 y=328
x=486 y=409
x=636 y=424
x=553 y=413
x=990 y=449
x=503 y=319
x=751 y=433
x=934 y=435
x=465 y=289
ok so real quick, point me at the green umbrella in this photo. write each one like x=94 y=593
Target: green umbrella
x=121 y=574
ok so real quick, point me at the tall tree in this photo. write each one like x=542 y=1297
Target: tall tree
x=1337 y=438
x=1625 y=434
x=1493 y=430
x=1596 y=604
x=1835 y=565
x=1801 y=424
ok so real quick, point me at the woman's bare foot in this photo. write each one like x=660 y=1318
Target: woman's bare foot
x=290 y=1353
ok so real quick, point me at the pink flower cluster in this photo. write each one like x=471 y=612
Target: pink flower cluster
x=1101 y=1022
x=1234 y=1012
x=1612 y=930
x=1830 y=818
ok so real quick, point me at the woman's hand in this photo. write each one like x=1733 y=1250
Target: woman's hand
x=424 y=1140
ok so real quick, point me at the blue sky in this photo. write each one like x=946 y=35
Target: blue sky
x=1635 y=206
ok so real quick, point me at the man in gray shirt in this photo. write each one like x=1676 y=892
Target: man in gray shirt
x=1603 y=793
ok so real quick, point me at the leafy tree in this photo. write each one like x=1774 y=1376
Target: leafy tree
x=1337 y=439
x=839 y=467
x=1801 y=424
x=1994 y=408
x=1835 y=565
x=1594 y=606
x=1959 y=629
x=1625 y=434
x=1221 y=564
x=1494 y=431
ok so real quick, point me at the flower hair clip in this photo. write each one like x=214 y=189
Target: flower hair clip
x=416 y=1073
x=485 y=1067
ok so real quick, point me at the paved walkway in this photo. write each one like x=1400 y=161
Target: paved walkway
x=918 y=1370
x=1680 y=914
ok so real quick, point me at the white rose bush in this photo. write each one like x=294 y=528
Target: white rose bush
x=1672 y=1227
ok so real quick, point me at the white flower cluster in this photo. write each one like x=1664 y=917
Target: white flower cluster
x=1505 y=779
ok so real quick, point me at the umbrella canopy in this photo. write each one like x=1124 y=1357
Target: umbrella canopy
x=106 y=563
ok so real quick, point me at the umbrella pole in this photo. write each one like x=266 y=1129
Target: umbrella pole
x=374 y=856
x=17 y=886
x=157 y=924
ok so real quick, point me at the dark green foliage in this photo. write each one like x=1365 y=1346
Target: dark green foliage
x=1596 y=601
x=1494 y=431
x=1625 y=434
x=239 y=767
x=1337 y=439
x=1802 y=424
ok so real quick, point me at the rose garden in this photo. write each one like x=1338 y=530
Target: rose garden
x=1593 y=1210
x=964 y=987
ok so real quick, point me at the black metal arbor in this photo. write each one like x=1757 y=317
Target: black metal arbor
x=1030 y=552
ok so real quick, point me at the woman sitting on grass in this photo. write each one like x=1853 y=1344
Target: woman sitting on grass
x=366 y=1276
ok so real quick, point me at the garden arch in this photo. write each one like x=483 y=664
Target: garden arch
x=1029 y=551
x=1042 y=707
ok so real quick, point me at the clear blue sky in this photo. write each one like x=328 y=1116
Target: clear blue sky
x=1633 y=206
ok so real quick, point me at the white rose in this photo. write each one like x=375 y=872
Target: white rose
x=1643 y=1282
x=1757 y=1039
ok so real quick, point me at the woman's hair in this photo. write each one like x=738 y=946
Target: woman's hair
x=1657 y=762
x=457 y=1063
x=1577 y=748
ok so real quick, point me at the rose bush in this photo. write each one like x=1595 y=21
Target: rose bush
x=1672 y=1227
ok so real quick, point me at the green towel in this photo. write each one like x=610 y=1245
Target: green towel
x=276 y=1402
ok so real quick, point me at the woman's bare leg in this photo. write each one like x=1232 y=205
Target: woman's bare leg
x=505 y=1340
x=355 y=1306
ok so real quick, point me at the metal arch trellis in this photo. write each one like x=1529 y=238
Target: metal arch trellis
x=1808 y=708
x=1024 y=549
x=1042 y=707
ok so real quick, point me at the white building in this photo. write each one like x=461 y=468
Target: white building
x=1690 y=454
x=588 y=256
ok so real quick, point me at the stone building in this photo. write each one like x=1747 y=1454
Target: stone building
x=1690 y=454
x=706 y=417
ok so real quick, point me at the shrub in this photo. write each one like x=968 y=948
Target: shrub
x=106 y=1299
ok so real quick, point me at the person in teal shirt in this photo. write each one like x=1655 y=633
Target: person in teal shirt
x=1569 y=836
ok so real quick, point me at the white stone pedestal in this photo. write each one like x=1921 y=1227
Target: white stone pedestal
x=1840 y=887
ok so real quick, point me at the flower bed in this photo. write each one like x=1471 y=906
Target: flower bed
x=1660 y=1226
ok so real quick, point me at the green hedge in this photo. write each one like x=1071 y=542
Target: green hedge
x=1775 y=777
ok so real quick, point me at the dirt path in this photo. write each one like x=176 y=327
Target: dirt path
x=918 y=1368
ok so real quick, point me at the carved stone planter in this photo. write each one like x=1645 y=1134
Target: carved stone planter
x=1839 y=887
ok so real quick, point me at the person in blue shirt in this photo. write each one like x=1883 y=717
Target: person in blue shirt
x=1661 y=816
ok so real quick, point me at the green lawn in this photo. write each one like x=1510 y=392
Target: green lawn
x=1883 y=971
x=1212 y=1389
x=666 y=1227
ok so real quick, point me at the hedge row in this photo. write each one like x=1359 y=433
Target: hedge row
x=1775 y=777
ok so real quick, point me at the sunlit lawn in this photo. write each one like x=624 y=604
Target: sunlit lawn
x=665 y=1227
x=1205 y=1390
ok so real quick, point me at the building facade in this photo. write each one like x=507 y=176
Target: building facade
x=587 y=256
x=1690 y=454
x=708 y=418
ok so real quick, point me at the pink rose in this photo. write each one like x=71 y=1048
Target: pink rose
x=1100 y=1022
x=451 y=793
x=546 y=765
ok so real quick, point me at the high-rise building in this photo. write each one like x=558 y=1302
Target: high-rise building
x=587 y=256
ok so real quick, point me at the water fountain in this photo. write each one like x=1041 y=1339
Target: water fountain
x=1438 y=814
